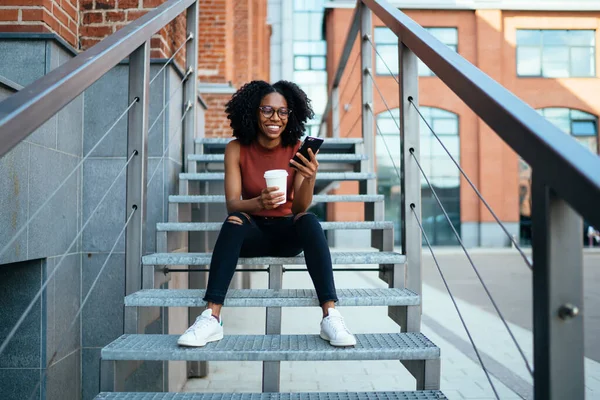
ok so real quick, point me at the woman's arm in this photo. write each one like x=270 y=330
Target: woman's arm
x=304 y=183
x=233 y=186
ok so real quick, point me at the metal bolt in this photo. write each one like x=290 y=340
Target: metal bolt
x=568 y=311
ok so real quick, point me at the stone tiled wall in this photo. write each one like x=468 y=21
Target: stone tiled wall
x=31 y=172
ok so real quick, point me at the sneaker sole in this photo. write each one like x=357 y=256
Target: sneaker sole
x=338 y=343
x=214 y=338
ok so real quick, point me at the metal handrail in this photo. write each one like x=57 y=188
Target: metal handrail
x=560 y=161
x=23 y=112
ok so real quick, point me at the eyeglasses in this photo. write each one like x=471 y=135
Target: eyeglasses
x=268 y=111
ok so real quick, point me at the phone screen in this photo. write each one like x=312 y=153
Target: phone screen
x=310 y=142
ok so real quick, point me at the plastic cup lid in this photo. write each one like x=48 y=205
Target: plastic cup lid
x=276 y=173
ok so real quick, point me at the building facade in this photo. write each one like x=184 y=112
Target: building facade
x=545 y=53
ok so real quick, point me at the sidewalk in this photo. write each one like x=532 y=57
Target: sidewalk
x=462 y=376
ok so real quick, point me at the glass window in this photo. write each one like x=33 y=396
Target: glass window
x=556 y=53
x=437 y=165
x=386 y=43
x=583 y=126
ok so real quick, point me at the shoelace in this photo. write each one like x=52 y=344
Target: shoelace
x=201 y=322
x=338 y=324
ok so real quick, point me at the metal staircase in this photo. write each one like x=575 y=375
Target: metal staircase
x=419 y=354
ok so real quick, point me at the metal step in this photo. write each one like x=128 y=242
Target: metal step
x=318 y=198
x=215 y=226
x=323 y=158
x=382 y=346
x=366 y=257
x=416 y=395
x=321 y=176
x=330 y=145
x=272 y=298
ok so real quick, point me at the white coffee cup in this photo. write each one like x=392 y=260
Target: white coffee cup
x=277 y=177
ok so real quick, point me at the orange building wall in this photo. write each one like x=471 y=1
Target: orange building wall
x=486 y=38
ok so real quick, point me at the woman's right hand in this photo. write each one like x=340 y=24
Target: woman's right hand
x=269 y=198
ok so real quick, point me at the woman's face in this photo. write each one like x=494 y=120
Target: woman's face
x=273 y=115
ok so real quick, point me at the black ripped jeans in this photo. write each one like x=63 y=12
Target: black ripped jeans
x=270 y=237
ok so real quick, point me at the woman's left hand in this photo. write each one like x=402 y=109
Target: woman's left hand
x=309 y=169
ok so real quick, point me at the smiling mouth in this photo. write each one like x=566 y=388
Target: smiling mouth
x=273 y=128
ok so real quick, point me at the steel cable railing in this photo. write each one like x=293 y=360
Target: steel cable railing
x=162 y=111
x=83 y=303
x=354 y=124
x=187 y=39
x=462 y=320
x=13 y=331
x=488 y=293
x=51 y=196
x=171 y=136
x=463 y=173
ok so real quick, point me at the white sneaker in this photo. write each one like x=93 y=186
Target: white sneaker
x=333 y=329
x=205 y=329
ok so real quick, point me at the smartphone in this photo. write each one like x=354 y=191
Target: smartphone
x=310 y=142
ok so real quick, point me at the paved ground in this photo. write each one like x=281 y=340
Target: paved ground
x=462 y=376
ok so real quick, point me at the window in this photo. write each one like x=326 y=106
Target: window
x=310 y=56
x=581 y=125
x=439 y=168
x=556 y=53
x=386 y=43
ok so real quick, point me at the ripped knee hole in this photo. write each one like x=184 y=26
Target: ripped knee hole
x=235 y=220
x=299 y=215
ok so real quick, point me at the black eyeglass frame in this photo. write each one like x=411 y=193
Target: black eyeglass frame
x=264 y=111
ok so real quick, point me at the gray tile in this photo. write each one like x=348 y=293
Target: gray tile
x=106 y=224
x=64 y=378
x=67 y=293
x=157 y=102
x=19 y=283
x=90 y=372
x=175 y=113
x=23 y=61
x=45 y=135
x=18 y=384
x=14 y=172
x=104 y=102
x=49 y=327
x=70 y=127
x=155 y=211
x=102 y=317
x=54 y=228
x=52 y=56
x=147 y=378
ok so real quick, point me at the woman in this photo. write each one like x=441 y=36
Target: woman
x=268 y=121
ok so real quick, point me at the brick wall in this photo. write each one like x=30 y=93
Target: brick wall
x=37 y=16
x=101 y=18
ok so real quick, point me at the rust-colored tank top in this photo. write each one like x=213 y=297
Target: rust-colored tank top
x=254 y=161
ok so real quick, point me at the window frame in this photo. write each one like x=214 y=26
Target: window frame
x=378 y=46
x=540 y=47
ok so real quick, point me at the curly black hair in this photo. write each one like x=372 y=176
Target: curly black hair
x=242 y=110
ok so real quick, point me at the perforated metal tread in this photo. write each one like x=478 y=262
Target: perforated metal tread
x=323 y=158
x=318 y=198
x=417 y=395
x=321 y=176
x=272 y=298
x=215 y=226
x=382 y=346
x=366 y=257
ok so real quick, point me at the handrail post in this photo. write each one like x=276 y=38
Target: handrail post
x=137 y=140
x=410 y=181
x=558 y=345
x=191 y=86
x=366 y=62
x=335 y=111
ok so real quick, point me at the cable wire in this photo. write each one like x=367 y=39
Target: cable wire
x=354 y=125
x=84 y=302
x=381 y=57
x=385 y=144
x=412 y=152
x=527 y=261
x=462 y=320
x=187 y=39
x=167 y=103
x=187 y=108
x=11 y=334
x=16 y=235
x=383 y=98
